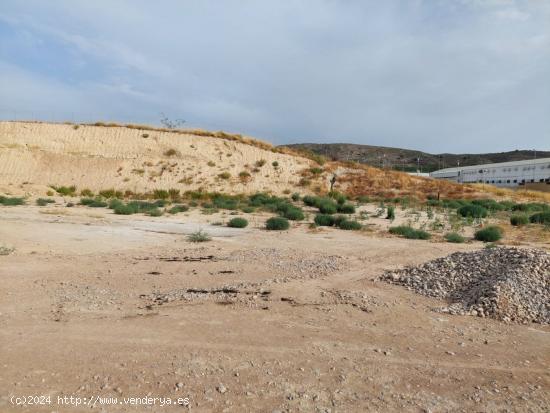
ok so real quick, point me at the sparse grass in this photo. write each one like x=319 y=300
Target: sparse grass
x=176 y=209
x=390 y=213
x=409 y=232
x=346 y=209
x=44 y=201
x=348 y=225
x=65 y=190
x=6 y=250
x=540 y=218
x=519 y=220
x=161 y=194
x=211 y=164
x=86 y=193
x=455 y=238
x=324 y=220
x=473 y=211
x=489 y=234
x=277 y=224
x=237 y=223
x=13 y=201
x=199 y=236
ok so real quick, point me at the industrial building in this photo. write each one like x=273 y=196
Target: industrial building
x=504 y=174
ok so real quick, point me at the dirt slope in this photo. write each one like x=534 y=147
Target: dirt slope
x=96 y=157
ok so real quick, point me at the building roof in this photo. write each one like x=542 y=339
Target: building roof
x=495 y=165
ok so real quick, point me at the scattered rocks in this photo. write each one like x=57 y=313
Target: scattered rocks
x=508 y=284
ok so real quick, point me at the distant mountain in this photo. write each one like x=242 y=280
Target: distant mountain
x=407 y=159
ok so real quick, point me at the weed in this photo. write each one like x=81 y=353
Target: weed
x=237 y=223
x=346 y=209
x=65 y=190
x=519 y=220
x=390 y=213
x=324 y=220
x=473 y=211
x=199 y=236
x=176 y=209
x=7 y=201
x=454 y=237
x=409 y=232
x=277 y=224
x=489 y=234
x=44 y=201
x=349 y=225
x=540 y=218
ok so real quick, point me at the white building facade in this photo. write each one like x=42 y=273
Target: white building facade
x=504 y=174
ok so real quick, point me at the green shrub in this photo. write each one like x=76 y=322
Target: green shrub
x=346 y=208
x=347 y=224
x=531 y=207
x=455 y=238
x=224 y=175
x=108 y=193
x=44 y=201
x=65 y=190
x=87 y=193
x=390 y=213
x=7 y=201
x=277 y=224
x=489 y=234
x=293 y=213
x=519 y=220
x=409 y=232
x=295 y=197
x=176 y=209
x=540 y=218
x=312 y=201
x=124 y=210
x=275 y=164
x=161 y=194
x=327 y=207
x=473 y=211
x=154 y=212
x=248 y=209
x=324 y=220
x=199 y=236
x=237 y=223
x=489 y=204
x=316 y=171
x=113 y=203
x=93 y=202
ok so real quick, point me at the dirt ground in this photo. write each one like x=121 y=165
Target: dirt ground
x=95 y=305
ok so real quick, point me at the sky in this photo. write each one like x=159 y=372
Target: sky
x=463 y=76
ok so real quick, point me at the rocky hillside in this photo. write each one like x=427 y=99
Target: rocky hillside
x=407 y=159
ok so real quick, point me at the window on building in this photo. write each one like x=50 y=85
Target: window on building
x=508 y=181
x=515 y=181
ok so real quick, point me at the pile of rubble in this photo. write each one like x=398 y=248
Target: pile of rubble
x=509 y=284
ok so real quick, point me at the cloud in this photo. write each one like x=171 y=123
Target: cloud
x=456 y=75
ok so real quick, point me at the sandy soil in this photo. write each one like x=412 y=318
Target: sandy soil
x=95 y=304
x=35 y=155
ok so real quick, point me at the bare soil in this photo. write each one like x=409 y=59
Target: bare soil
x=94 y=304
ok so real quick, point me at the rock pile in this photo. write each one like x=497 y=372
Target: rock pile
x=509 y=284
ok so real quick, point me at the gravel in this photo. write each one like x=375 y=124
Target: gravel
x=508 y=284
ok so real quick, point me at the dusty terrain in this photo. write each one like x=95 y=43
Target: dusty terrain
x=36 y=155
x=96 y=304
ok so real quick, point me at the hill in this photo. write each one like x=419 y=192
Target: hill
x=138 y=159
x=407 y=159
